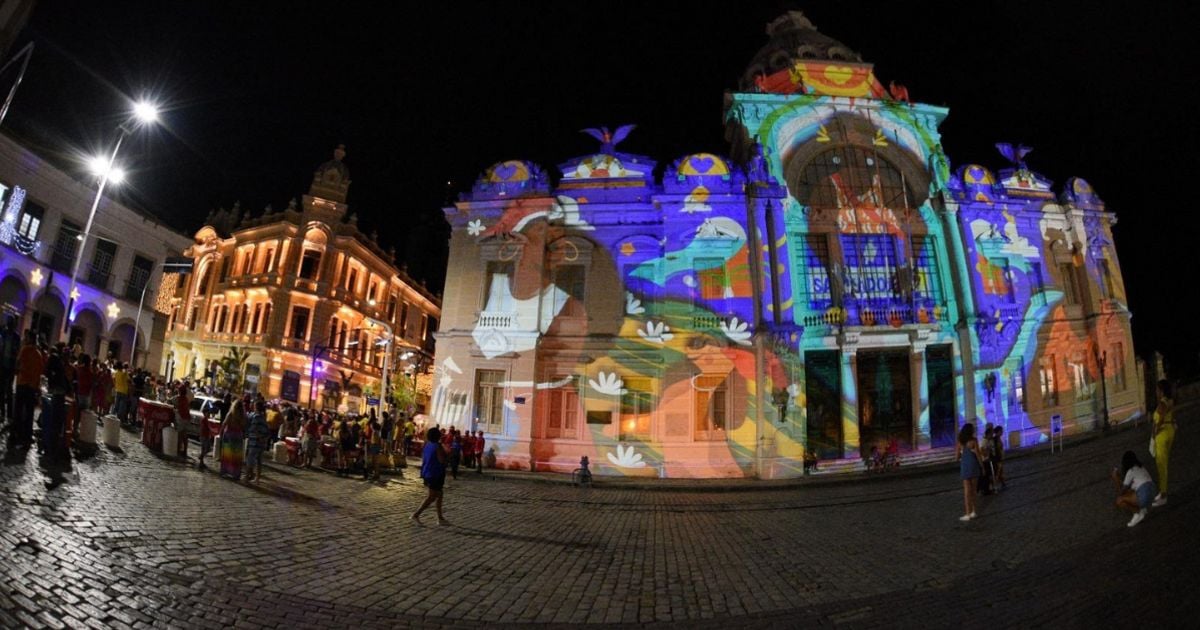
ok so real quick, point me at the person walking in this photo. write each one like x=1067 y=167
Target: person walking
x=346 y=443
x=30 y=365
x=997 y=451
x=969 y=469
x=1164 y=437
x=121 y=384
x=183 y=416
x=456 y=449
x=372 y=446
x=10 y=348
x=1135 y=486
x=103 y=383
x=232 y=432
x=310 y=440
x=258 y=438
x=54 y=418
x=410 y=434
x=433 y=474
x=479 y=452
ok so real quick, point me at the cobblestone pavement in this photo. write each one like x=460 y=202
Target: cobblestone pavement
x=128 y=539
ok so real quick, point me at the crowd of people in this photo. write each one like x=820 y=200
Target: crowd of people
x=62 y=382
x=348 y=443
x=981 y=464
x=238 y=431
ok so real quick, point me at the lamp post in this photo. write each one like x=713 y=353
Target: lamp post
x=319 y=350
x=137 y=325
x=387 y=355
x=144 y=113
x=1101 y=360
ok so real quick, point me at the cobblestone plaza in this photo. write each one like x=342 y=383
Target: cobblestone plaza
x=128 y=539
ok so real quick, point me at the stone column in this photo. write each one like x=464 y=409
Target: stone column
x=920 y=397
x=850 y=435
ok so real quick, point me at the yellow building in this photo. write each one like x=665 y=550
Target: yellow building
x=312 y=301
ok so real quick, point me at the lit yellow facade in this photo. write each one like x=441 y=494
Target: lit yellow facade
x=307 y=295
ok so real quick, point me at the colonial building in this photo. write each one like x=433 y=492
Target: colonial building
x=42 y=217
x=313 y=301
x=831 y=287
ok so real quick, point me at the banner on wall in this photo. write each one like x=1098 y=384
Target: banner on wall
x=290 y=386
x=252 y=377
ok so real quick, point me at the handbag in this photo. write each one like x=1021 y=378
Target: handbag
x=1152 y=449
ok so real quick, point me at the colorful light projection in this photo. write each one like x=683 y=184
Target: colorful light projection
x=1035 y=270
x=730 y=321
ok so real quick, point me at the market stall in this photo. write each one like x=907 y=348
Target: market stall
x=154 y=416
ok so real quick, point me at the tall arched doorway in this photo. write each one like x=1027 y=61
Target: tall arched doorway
x=86 y=331
x=121 y=343
x=47 y=317
x=13 y=298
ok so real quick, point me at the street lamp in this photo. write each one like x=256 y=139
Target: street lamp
x=143 y=113
x=387 y=355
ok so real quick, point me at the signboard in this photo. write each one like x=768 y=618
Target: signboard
x=177 y=264
x=290 y=386
x=372 y=401
x=252 y=374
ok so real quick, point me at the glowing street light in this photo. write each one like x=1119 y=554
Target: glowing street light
x=100 y=167
x=144 y=113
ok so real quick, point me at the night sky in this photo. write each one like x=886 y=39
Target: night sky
x=259 y=93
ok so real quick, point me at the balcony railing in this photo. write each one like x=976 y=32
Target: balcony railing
x=99 y=277
x=133 y=288
x=497 y=320
x=62 y=256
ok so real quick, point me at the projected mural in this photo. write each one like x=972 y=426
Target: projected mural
x=829 y=290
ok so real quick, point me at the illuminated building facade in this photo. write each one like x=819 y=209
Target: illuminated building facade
x=830 y=288
x=307 y=295
x=43 y=212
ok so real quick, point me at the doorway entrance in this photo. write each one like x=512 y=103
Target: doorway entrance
x=939 y=373
x=823 y=391
x=884 y=399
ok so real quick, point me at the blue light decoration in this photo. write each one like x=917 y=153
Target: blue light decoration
x=829 y=288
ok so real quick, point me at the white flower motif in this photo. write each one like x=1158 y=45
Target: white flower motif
x=609 y=383
x=736 y=331
x=475 y=228
x=633 y=306
x=689 y=281
x=626 y=458
x=691 y=207
x=657 y=332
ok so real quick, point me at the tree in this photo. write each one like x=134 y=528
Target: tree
x=233 y=368
x=404 y=391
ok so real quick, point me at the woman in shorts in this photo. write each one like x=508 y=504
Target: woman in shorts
x=433 y=474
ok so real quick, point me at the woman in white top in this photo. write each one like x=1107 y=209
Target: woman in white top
x=1136 y=487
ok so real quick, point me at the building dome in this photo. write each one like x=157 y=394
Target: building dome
x=793 y=38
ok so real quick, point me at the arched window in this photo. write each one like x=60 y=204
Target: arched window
x=202 y=282
x=849 y=175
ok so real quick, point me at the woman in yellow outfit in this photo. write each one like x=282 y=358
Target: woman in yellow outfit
x=1164 y=435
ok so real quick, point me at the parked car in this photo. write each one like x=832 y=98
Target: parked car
x=196 y=412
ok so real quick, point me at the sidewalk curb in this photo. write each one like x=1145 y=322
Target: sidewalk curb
x=767 y=485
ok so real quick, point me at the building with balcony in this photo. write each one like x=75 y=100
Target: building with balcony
x=314 y=301
x=829 y=288
x=42 y=217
